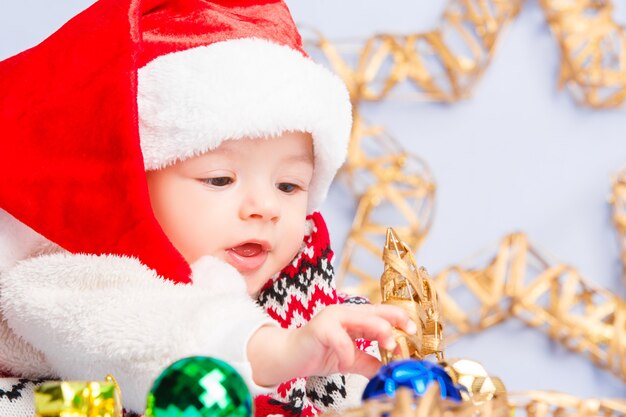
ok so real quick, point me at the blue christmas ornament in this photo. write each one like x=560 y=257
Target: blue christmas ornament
x=410 y=373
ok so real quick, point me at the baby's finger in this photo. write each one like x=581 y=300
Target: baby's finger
x=393 y=315
x=364 y=324
x=396 y=316
x=365 y=364
x=342 y=346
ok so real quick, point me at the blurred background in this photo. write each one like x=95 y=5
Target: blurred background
x=518 y=155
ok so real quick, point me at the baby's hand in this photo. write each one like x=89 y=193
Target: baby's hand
x=325 y=345
x=327 y=341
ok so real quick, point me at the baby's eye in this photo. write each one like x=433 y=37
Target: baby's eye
x=287 y=187
x=218 y=181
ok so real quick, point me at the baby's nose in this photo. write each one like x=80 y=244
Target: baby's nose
x=261 y=203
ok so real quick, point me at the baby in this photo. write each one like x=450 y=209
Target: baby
x=252 y=194
x=160 y=182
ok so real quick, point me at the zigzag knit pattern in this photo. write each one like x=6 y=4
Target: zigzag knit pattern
x=292 y=298
x=305 y=286
x=16 y=397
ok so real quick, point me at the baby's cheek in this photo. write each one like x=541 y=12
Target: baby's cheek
x=297 y=246
x=288 y=254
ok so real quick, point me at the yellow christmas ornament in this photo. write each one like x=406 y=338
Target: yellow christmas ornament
x=78 y=399
x=479 y=386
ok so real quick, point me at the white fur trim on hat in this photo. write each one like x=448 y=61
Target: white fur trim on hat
x=191 y=101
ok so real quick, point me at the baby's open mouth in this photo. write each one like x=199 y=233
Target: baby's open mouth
x=247 y=256
x=248 y=249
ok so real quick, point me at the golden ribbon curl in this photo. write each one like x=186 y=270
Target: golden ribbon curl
x=593 y=50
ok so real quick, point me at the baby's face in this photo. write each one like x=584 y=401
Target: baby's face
x=244 y=203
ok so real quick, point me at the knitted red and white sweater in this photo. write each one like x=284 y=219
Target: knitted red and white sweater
x=300 y=291
x=83 y=316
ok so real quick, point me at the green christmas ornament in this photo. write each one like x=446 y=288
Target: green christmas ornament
x=199 y=387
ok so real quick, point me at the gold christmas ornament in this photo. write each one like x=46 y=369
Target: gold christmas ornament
x=593 y=50
x=472 y=375
x=442 y=65
x=78 y=399
x=405 y=285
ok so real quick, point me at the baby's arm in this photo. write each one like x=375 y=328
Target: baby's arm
x=325 y=345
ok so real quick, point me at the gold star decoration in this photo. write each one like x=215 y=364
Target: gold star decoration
x=442 y=65
x=446 y=63
x=405 y=285
x=593 y=50
x=518 y=282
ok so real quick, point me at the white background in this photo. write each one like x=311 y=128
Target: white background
x=518 y=156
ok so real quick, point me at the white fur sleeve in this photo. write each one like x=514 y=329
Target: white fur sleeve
x=93 y=315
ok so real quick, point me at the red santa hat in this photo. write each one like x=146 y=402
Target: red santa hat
x=130 y=85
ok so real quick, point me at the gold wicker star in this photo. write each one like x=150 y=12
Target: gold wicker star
x=443 y=65
x=593 y=50
x=405 y=285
